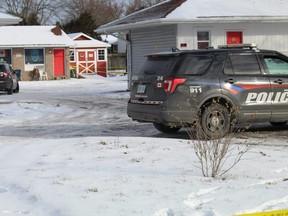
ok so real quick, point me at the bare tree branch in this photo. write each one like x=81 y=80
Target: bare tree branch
x=42 y=10
x=136 y=5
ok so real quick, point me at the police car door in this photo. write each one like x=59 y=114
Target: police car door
x=276 y=66
x=247 y=86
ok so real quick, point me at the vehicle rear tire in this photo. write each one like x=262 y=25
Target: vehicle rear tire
x=215 y=122
x=10 y=91
x=166 y=129
x=17 y=89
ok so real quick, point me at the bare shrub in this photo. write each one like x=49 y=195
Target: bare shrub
x=217 y=155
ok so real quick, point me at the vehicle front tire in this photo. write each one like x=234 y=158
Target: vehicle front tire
x=215 y=122
x=166 y=129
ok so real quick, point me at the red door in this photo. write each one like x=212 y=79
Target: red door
x=59 y=62
x=86 y=62
x=234 y=37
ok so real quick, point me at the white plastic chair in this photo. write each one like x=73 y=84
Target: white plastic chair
x=42 y=73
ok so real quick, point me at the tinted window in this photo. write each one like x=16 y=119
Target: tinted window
x=160 y=65
x=194 y=64
x=242 y=65
x=2 y=68
x=276 y=66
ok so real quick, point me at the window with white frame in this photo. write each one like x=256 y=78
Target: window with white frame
x=203 y=39
x=72 y=55
x=101 y=55
x=34 y=56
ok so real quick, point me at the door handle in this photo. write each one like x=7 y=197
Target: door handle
x=231 y=81
x=279 y=81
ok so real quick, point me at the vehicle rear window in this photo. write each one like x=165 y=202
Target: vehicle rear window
x=160 y=65
x=194 y=65
x=2 y=68
x=242 y=65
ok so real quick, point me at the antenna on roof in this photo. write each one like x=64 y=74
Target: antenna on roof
x=175 y=49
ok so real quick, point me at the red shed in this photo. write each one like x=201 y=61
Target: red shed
x=89 y=56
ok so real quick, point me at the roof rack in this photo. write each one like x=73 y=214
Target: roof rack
x=251 y=46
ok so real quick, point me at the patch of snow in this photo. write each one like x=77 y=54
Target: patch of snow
x=67 y=148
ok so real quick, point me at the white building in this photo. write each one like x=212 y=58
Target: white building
x=197 y=24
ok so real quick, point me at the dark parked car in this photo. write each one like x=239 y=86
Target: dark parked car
x=8 y=79
x=215 y=88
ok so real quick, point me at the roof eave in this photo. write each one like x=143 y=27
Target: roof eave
x=232 y=19
x=5 y=22
x=197 y=20
x=127 y=27
x=92 y=46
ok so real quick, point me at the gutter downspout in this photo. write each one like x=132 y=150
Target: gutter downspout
x=128 y=57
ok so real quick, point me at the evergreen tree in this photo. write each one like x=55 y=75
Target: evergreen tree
x=84 y=23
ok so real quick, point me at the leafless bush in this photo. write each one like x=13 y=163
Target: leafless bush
x=217 y=155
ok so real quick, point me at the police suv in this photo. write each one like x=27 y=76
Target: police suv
x=212 y=89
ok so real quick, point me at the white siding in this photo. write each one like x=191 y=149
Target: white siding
x=266 y=35
x=151 y=40
x=122 y=46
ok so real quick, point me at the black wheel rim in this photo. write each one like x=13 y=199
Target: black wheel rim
x=215 y=121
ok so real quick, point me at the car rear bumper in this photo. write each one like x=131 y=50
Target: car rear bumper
x=5 y=85
x=160 y=114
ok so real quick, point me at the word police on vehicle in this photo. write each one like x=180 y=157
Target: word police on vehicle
x=265 y=97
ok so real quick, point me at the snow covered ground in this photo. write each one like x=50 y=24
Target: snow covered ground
x=67 y=148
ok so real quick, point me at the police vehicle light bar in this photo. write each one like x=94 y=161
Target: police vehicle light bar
x=239 y=46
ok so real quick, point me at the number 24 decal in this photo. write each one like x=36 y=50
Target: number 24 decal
x=160 y=78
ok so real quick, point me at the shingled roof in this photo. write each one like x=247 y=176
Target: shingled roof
x=155 y=12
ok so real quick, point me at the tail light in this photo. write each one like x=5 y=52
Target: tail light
x=4 y=74
x=170 y=84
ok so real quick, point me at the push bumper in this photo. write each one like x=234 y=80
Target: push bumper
x=5 y=85
x=160 y=114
